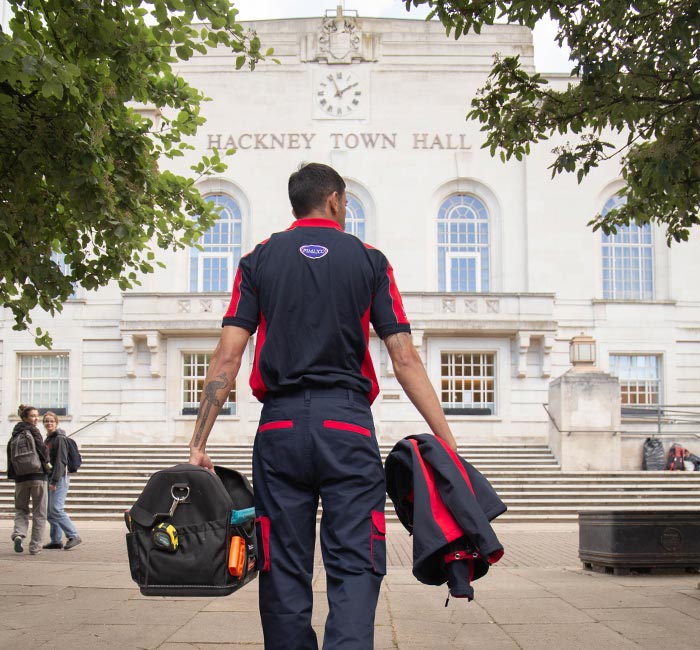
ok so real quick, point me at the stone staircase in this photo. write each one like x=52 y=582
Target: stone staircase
x=527 y=478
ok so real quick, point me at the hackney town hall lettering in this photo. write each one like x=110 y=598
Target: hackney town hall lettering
x=351 y=140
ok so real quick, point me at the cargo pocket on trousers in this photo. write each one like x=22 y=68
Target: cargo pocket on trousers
x=262 y=530
x=377 y=543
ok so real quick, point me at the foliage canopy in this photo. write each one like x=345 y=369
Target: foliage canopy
x=89 y=106
x=637 y=74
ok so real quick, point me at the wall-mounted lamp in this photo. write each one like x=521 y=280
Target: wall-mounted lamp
x=582 y=352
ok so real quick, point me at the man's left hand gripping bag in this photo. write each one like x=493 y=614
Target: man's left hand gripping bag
x=180 y=533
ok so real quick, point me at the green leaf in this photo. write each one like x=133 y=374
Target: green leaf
x=83 y=173
x=52 y=88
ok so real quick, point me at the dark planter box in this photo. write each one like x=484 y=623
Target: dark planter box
x=620 y=541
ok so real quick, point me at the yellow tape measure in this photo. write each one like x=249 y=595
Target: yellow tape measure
x=164 y=536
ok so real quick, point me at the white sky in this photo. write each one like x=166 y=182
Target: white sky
x=548 y=56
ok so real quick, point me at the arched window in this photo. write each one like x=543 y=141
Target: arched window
x=355 y=217
x=628 y=259
x=463 y=244
x=212 y=268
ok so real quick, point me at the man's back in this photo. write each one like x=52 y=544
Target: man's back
x=312 y=292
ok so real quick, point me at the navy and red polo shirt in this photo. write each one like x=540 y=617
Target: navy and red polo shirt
x=311 y=292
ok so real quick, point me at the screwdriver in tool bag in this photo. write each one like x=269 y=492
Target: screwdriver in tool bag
x=242 y=516
x=237 y=550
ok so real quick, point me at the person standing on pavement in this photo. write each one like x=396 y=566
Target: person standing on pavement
x=29 y=487
x=311 y=293
x=59 y=482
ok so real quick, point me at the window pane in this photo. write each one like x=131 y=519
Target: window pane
x=194 y=371
x=60 y=259
x=463 y=232
x=355 y=217
x=628 y=261
x=468 y=380
x=639 y=376
x=43 y=381
x=211 y=269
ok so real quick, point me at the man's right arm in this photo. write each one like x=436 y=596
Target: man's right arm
x=220 y=379
x=411 y=374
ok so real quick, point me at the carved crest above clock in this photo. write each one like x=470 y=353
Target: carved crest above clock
x=339 y=40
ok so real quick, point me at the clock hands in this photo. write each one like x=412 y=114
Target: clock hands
x=340 y=92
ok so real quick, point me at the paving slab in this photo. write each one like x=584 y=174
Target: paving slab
x=537 y=598
x=572 y=636
x=411 y=636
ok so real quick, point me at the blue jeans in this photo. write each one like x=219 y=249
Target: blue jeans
x=59 y=521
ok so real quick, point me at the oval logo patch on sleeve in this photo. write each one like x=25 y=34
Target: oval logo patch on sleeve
x=313 y=251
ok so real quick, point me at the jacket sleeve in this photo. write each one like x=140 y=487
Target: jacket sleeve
x=59 y=465
x=41 y=448
x=459 y=495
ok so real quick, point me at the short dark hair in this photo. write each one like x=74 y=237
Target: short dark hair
x=311 y=185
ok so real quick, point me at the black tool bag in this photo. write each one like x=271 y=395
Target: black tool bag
x=180 y=533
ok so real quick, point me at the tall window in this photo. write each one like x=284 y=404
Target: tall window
x=628 y=260
x=463 y=244
x=639 y=375
x=194 y=370
x=43 y=381
x=60 y=259
x=212 y=268
x=468 y=382
x=355 y=217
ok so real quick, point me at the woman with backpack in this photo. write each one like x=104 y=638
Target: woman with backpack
x=27 y=464
x=59 y=482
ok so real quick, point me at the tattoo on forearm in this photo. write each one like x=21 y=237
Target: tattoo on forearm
x=209 y=401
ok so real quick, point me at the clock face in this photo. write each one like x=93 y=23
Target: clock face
x=338 y=93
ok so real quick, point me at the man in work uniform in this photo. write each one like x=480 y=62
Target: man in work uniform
x=311 y=293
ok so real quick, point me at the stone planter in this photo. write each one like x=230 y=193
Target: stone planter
x=621 y=541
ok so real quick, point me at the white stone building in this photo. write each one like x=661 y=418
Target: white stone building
x=496 y=263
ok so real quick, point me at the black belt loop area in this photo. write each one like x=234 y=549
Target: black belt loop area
x=310 y=394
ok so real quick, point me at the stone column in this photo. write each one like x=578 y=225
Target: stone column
x=584 y=405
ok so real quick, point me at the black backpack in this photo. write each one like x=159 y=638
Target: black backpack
x=675 y=460
x=653 y=458
x=75 y=460
x=23 y=454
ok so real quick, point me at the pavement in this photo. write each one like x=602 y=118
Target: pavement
x=538 y=597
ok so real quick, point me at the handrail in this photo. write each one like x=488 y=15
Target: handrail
x=664 y=414
x=577 y=430
x=646 y=434
x=89 y=424
x=650 y=410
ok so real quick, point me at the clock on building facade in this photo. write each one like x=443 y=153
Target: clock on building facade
x=339 y=93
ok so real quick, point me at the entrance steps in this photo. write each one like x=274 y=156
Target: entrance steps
x=527 y=478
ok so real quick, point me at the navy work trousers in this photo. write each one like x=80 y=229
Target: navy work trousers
x=310 y=444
